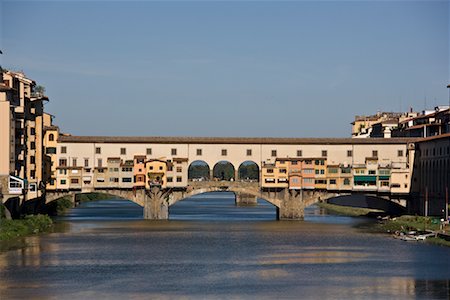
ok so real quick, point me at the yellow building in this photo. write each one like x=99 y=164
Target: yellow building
x=156 y=170
x=275 y=175
x=320 y=172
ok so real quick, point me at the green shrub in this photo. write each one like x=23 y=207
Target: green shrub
x=11 y=229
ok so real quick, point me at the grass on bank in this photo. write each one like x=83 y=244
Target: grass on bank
x=346 y=210
x=32 y=224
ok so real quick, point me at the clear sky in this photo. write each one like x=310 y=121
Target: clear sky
x=236 y=68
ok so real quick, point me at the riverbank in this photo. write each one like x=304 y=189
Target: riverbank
x=390 y=225
x=12 y=231
x=346 y=210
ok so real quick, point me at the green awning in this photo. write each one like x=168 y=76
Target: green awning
x=383 y=177
x=365 y=179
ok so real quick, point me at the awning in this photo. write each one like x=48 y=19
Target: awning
x=365 y=179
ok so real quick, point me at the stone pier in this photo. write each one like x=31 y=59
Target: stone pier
x=243 y=199
x=292 y=206
x=156 y=205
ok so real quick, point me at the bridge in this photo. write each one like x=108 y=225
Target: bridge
x=290 y=204
x=290 y=173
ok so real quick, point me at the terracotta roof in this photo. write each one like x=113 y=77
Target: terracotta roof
x=436 y=137
x=229 y=140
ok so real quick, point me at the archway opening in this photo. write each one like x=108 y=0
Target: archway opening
x=221 y=206
x=224 y=170
x=248 y=171
x=198 y=171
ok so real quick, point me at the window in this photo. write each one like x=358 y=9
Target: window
x=316 y=162
x=173 y=151
x=126 y=179
x=274 y=153
x=374 y=153
x=295 y=180
x=179 y=169
x=63 y=171
x=349 y=153
x=224 y=152
x=199 y=152
x=33 y=131
x=308 y=180
x=98 y=150
x=299 y=153
x=149 y=151
x=74 y=162
x=332 y=181
x=169 y=179
x=51 y=137
x=160 y=168
x=372 y=172
x=99 y=163
x=346 y=181
x=63 y=181
x=151 y=167
x=317 y=172
x=32 y=159
x=324 y=153
x=169 y=168
x=101 y=170
x=123 y=151
x=63 y=162
x=269 y=170
x=400 y=153
x=332 y=170
x=50 y=150
x=179 y=179
x=322 y=172
x=308 y=162
x=283 y=171
x=86 y=162
x=294 y=162
x=33 y=174
x=74 y=180
x=249 y=152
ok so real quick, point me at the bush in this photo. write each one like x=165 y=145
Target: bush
x=11 y=229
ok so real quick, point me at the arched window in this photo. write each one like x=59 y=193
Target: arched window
x=51 y=137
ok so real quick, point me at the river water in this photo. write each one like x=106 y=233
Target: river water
x=212 y=249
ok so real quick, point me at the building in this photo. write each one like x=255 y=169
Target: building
x=23 y=122
x=430 y=182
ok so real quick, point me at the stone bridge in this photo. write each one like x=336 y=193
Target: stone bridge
x=290 y=204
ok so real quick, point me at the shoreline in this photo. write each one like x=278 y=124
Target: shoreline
x=388 y=225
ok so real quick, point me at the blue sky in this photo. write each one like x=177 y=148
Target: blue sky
x=236 y=68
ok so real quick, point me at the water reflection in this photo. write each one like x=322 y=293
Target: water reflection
x=107 y=250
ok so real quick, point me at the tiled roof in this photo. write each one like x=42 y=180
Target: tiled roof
x=230 y=140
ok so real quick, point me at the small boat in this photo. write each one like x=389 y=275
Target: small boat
x=414 y=235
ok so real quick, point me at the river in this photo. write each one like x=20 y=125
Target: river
x=211 y=249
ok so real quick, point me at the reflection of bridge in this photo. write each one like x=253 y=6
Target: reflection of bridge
x=290 y=204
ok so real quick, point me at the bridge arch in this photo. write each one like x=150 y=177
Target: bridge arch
x=131 y=195
x=359 y=200
x=199 y=170
x=176 y=198
x=224 y=170
x=248 y=171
